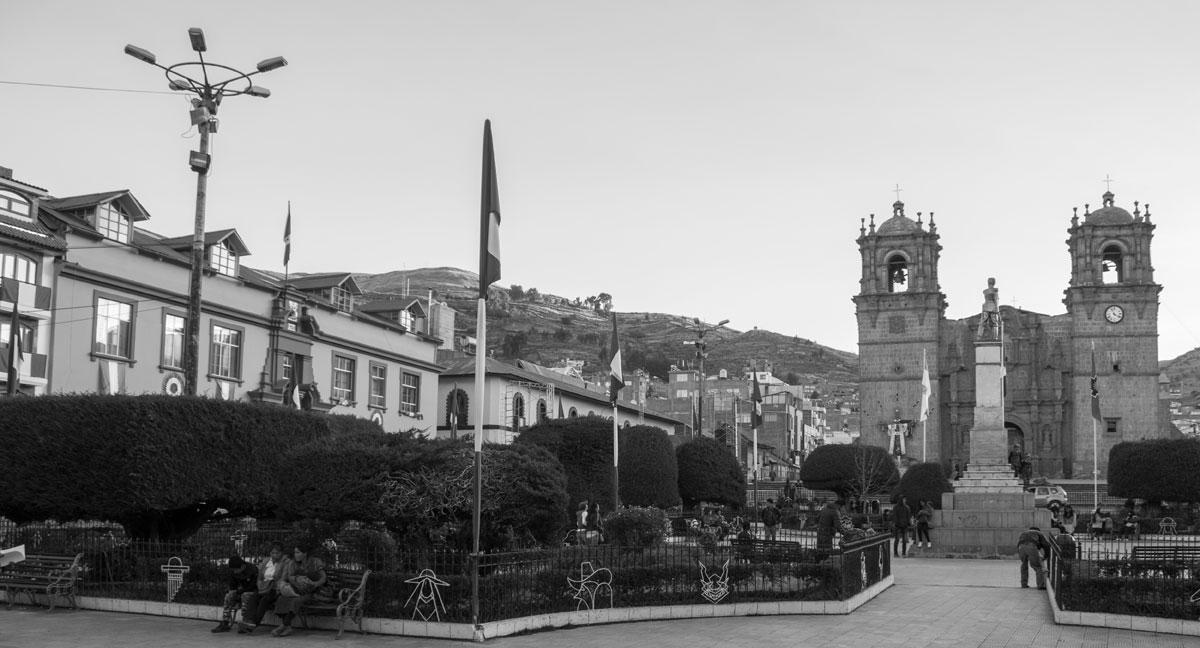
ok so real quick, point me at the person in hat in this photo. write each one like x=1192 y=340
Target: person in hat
x=243 y=577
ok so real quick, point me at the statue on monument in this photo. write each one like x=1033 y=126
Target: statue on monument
x=989 y=319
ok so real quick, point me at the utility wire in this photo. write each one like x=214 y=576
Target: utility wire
x=74 y=87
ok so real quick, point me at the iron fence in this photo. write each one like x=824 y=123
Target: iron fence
x=437 y=585
x=1150 y=576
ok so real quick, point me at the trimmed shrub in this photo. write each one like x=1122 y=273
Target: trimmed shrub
x=583 y=446
x=636 y=526
x=1157 y=469
x=708 y=472
x=334 y=479
x=649 y=475
x=923 y=481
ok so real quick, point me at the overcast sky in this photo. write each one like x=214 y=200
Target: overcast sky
x=709 y=159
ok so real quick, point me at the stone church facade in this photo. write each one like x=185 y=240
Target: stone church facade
x=1112 y=307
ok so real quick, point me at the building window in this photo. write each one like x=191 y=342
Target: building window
x=223 y=260
x=573 y=413
x=19 y=267
x=1111 y=425
x=225 y=353
x=112 y=223
x=1112 y=269
x=378 y=396
x=286 y=363
x=518 y=412
x=343 y=378
x=542 y=413
x=410 y=393
x=28 y=336
x=341 y=299
x=405 y=318
x=682 y=393
x=13 y=205
x=897 y=269
x=172 y=342
x=114 y=328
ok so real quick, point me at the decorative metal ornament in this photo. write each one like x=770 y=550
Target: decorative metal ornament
x=714 y=588
x=426 y=597
x=591 y=582
x=174 y=569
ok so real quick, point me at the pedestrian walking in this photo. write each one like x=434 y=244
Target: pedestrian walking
x=1030 y=547
x=770 y=518
x=827 y=526
x=901 y=516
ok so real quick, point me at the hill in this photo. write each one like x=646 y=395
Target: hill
x=1184 y=371
x=548 y=329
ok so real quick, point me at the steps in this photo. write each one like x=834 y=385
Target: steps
x=988 y=478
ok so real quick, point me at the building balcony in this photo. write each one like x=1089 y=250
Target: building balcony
x=34 y=366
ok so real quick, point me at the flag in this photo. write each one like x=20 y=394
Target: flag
x=756 y=416
x=291 y=395
x=112 y=377
x=616 y=379
x=560 y=408
x=1095 y=391
x=489 y=222
x=16 y=355
x=454 y=412
x=925 y=387
x=287 y=237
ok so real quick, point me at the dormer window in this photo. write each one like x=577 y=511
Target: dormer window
x=14 y=205
x=222 y=259
x=406 y=319
x=112 y=222
x=341 y=298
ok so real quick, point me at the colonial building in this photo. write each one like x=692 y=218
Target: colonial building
x=522 y=394
x=1112 y=307
x=115 y=322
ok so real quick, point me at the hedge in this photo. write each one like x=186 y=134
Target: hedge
x=709 y=472
x=1157 y=469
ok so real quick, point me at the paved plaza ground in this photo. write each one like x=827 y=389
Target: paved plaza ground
x=951 y=603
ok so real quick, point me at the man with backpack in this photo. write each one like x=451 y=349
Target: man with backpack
x=770 y=516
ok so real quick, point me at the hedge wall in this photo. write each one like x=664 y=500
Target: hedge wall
x=709 y=472
x=648 y=471
x=849 y=469
x=923 y=481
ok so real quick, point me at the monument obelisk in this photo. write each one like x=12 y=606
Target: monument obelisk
x=988 y=508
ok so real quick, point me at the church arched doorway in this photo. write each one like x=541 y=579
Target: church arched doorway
x=1016 y=436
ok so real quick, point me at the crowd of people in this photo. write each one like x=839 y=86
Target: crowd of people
x=279 y=583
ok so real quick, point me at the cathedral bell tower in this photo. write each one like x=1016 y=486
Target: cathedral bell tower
x=1113 y=306
x=900 y=308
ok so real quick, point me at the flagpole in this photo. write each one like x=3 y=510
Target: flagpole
x=14 y=340
x=480 y=418
x=1095 y=463
x=924 y=404
x=616 y=473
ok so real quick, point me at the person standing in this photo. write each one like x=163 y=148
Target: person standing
x=770 y=518
x=1069 y=520
x=924 y=523
x=1030 y=546
x=827 y=526
x=242 y=576
x=901 y=516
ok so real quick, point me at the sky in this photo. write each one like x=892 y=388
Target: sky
x=706 y=159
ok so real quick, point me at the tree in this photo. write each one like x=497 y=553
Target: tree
x=648 y=471
x=516 y=292
x=514 y=343
x=923 y=481
x=708 y=472
x=1156 y=469
x=532 y=294
x=604 y=302
x=849 y=470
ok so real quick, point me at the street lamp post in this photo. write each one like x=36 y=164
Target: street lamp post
x=701 y=354
x=209 y=94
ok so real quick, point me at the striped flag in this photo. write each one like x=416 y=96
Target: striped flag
x=1095 y=391
x=489 y=223
x=287 y=237
x=16 y=355
x=616 y=380
x=756 y=416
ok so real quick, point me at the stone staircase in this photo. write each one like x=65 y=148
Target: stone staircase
x=988 y=478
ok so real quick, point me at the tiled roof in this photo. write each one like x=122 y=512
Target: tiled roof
x=210 y=238
x=127 y=200
x=33 y=232
x=326 y=280
x=392 y=305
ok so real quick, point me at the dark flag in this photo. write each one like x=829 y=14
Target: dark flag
x=756 y=400
x=489 y=223
x=616 y=380
x=15 y=354
x=287 y=237
x=1095 y=391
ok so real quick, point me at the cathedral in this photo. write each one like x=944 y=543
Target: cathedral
x=1111 y=324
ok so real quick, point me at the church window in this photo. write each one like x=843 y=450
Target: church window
x=518 y=406
x=1111 y=425
x=897 y=268
x=1112 y=266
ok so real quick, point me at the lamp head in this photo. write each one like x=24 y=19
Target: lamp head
x=197 y=36
x=258 y=91
x=176 y=84
x=273 y=63
x=141 y=54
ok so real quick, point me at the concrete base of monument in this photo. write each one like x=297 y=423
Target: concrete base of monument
x=984 y=516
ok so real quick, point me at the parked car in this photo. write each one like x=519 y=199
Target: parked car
x=1044 y=495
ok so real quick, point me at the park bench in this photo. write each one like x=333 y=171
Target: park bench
x=54 y=576
x=1155 y=554
x=754 y=550
x=351 y=587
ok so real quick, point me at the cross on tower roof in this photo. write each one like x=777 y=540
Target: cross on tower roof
x=897 y=190
x=1107 y=182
